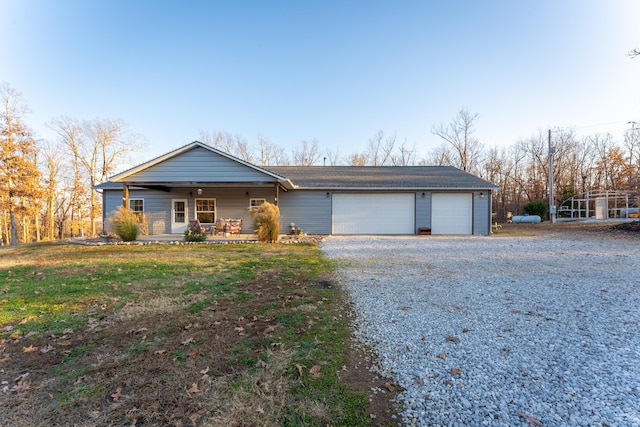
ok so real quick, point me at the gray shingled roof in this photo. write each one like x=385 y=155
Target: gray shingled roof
x=370 y=177
x=381 y=177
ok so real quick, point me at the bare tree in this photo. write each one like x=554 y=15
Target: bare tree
x=332 y=157
x=98 y=147
x=404 y=156
x=459 y=135
x=243 y=150
x=632 y=144
x=270 y=154
x=308 y=154
x=71 y=135
x=441 y=156
x=380 y=148
x=53 y=164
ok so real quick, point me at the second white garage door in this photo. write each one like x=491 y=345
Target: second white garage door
x=451 y=213
x=373 y=213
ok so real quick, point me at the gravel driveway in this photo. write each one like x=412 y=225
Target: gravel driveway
x=501 y=331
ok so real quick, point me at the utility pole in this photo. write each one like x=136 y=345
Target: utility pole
x=552 y=205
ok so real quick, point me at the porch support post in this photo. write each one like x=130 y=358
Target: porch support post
x=277 y=193
x=125 y=199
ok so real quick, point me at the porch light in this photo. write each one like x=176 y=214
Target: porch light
x=482 y=195
x=199 y=191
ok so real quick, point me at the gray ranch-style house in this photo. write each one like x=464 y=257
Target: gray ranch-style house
x=200 y=182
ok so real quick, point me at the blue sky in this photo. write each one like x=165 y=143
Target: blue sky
x=337 y=71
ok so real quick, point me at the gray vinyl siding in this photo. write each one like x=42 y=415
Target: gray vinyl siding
x=310 y=210
x=423 y=210
x=482 y=213
x=157 y=208
x=199 y=165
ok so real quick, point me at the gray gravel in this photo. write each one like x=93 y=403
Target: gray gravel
x=543 y=330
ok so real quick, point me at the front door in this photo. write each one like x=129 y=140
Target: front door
x=178 y=215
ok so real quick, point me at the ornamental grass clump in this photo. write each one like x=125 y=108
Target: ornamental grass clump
x=125 y=224
x=266 y=219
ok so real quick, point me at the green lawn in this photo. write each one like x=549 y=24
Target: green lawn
x=245 y=334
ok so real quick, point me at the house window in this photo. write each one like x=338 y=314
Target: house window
x=136 y=205
x=254 y=203
x=206 y=210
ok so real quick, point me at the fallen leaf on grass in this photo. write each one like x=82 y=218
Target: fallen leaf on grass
x=315 y=370
x=205 y=376
x=530 y=419
x=266 y=366
x=389 y=387
x=14 y=336
x=117 y=394
x=46 y=349
x=21 y=377
x=29 y=349
x=299 y=369
x=194 y=417
x=193 y=389
x=27 y=319
x=269 y=329
x=160 y=352
x=22 y=385
x=188 y=341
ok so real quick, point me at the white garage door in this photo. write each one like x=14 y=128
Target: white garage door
x=451 y=213
x=373 y=213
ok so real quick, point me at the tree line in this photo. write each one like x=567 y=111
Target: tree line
x=47 y=187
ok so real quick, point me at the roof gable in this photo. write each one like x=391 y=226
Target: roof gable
x=196 y=162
